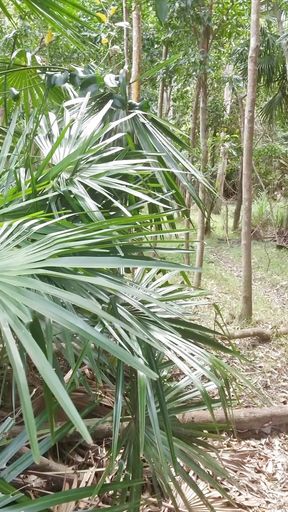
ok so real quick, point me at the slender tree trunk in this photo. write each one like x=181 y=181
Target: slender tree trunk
x=210 y=198
x=136 y=52
x=204 y=155
x=246 y=306
x=194 y=122
x=237 y=211
x=238 y=206
x=195 y=113
x=221 y=174
x=169 y=110
x=162 y=84
x=126 y=34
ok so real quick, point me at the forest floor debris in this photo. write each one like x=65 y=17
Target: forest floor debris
x=260 y=464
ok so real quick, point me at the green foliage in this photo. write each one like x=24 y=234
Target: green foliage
x=83 y=195
x=162 y=9
x=268 y=214
x=91 y=191
x=60 y=14
x=271 y=163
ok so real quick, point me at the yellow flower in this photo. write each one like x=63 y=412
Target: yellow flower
x=112 y=10
x=49 y=37
x=104 y=40
x=102 y=17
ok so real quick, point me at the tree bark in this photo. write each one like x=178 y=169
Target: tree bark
x=194 y=122
x=204 y=48
x=237 y=211
x=195 y=113
x=246 y=300
x=126 y=34
x=162 y=83
x=263 y=334
x=223 y=160
x=136 y=52
x=241 y=420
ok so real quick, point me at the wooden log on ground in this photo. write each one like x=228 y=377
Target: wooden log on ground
x=256 y=332
x=252 y=418
x=243 y=419
x=247 y=420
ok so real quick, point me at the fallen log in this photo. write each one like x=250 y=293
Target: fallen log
x=250 y=419
x=242 y=420
x=46 y=465
x=255 y=332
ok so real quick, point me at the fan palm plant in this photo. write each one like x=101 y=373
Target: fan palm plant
x=83 y=196
x=65 y=16
x=271 y=71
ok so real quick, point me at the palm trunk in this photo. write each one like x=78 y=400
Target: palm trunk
x=162 y=84
x=221 y=174
x=126 y=34
x=136 y=52
x=246 y=305
x=204 y=155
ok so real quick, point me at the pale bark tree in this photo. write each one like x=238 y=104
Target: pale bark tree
x=193 y=133
x=238 y=206
x=204 y=49
x=168 y=107
x=136 y=51
x=126 y=34
x=224 y=146
x=246 y=299
x=195 y=113
x=162 y=87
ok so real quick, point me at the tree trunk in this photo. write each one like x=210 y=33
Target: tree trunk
x=221 y=174
x=136 y=52
x=194 y=122
x=238 y=206
x=169 y=109
x=210 y=197
x=210 y=203
x=195 y=113
x=237 y=211
x=126 y=34
x=162 y=84
x=204 y=48
x=246 y=306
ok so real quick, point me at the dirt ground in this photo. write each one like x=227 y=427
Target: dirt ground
x=261 y=465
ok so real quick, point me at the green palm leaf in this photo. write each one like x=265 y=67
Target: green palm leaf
x=62 y=15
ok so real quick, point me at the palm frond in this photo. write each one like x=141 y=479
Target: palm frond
x=62 y=15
